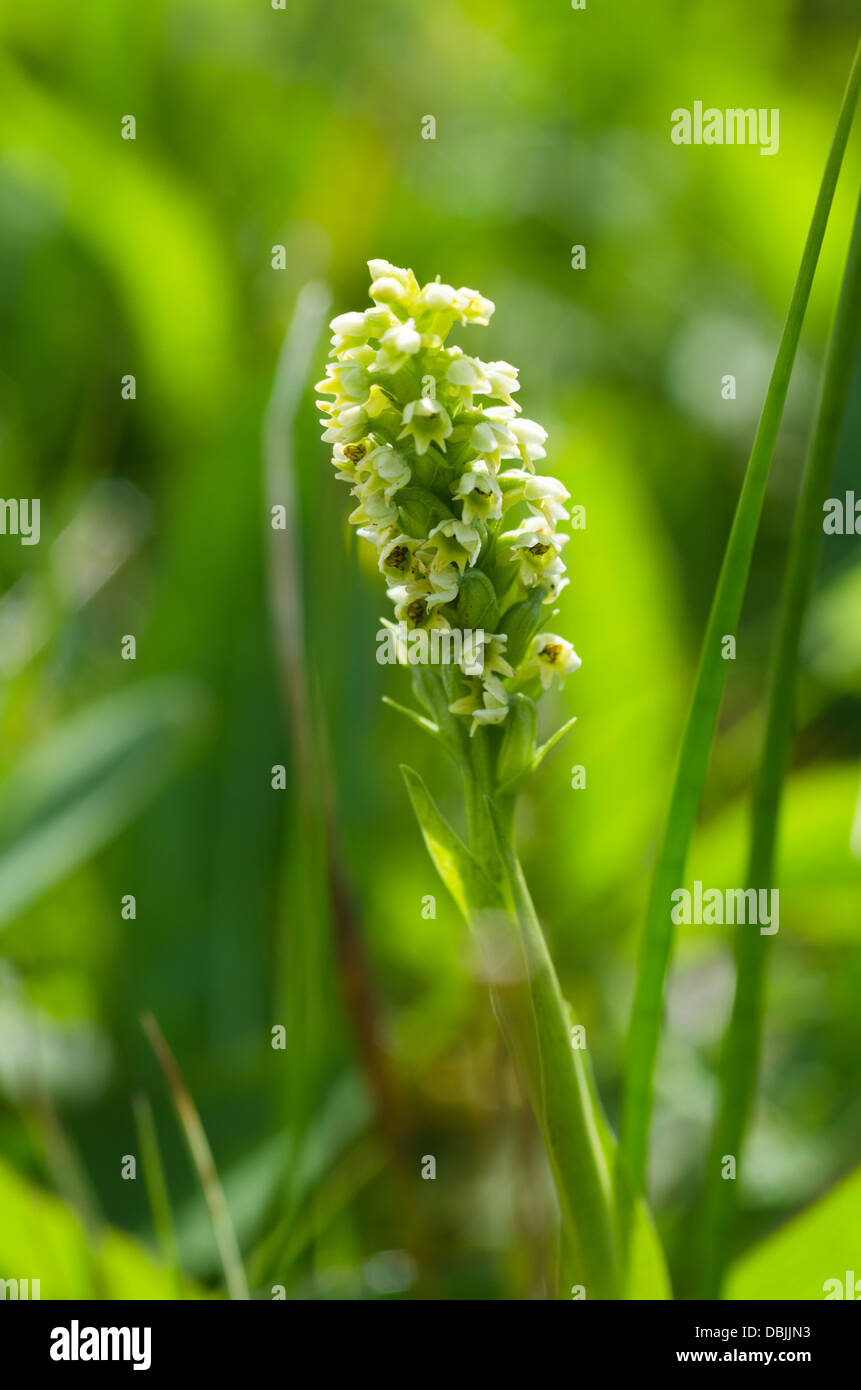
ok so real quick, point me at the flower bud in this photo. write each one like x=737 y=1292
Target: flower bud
x=420 y=510
x=476 y=602
x=520 y=624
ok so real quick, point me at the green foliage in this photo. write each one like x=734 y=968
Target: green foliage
x=798 y=1259
x=41 y=1238
x=258 y=128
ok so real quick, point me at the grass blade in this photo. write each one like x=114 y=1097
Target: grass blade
x=705 y=704
x=741 y=1048
x=156 y=1185
x=201 y=1154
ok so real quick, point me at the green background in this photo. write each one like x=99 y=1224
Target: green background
x=257 y=128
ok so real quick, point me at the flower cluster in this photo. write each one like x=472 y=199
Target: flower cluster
x=442 y=466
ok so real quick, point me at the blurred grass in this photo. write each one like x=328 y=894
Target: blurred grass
x=302 y=127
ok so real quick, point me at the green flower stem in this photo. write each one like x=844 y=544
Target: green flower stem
x=568 y=1116
x=535 y=1023
x=711 y=675
x=741 y=1048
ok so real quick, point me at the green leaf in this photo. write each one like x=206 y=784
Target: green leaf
x=462 y=875
x=645 y=1275
x=84 y=782
x=41 y=1238
x=739 y=1061
x=797 y=1260
x=413 y=715
x=544 y=748
x=702 y=717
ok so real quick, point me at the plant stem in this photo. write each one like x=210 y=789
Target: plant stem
x=705 y=705
x=741 y=1047
x=535 y=1022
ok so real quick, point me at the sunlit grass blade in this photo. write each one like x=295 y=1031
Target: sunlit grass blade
x=201 y=1155
x=702 y=717
x=742 y=1044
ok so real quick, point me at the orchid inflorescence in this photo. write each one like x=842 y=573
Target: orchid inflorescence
x=463 y=527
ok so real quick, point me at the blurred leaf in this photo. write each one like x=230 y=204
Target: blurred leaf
x=818 y=876
x=647 y=1276
x=833 y=640
x=86 y=780
x=41 y=1238
x=633 y=671
x=153 y=238
x=822 y=1243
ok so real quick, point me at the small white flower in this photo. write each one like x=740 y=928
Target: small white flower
x=502 y=381
x=390 y=467
x=472 y=307
x=544 y=495
x=392 y=285
x=530 y=437
x=495 y=704
x=550 y=656
x=444 y=583
x=397 y=558
x=348 y=378
x=455 y=543
x=555 y=578
x=493 y=655
x=428 y=423
x=479 y=492
x=397 y=345
x=486 y=701
x=348 y=425
x=411 y=601
x=375 y=507
x=466 y=373
x=349 y=325
x=492 y=437
x=353 y=331
x=536 y=545
x=438 y=298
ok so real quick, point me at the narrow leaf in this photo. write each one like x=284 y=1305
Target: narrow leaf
x=460 y=872
x=741 y=1049
x=702 y=718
